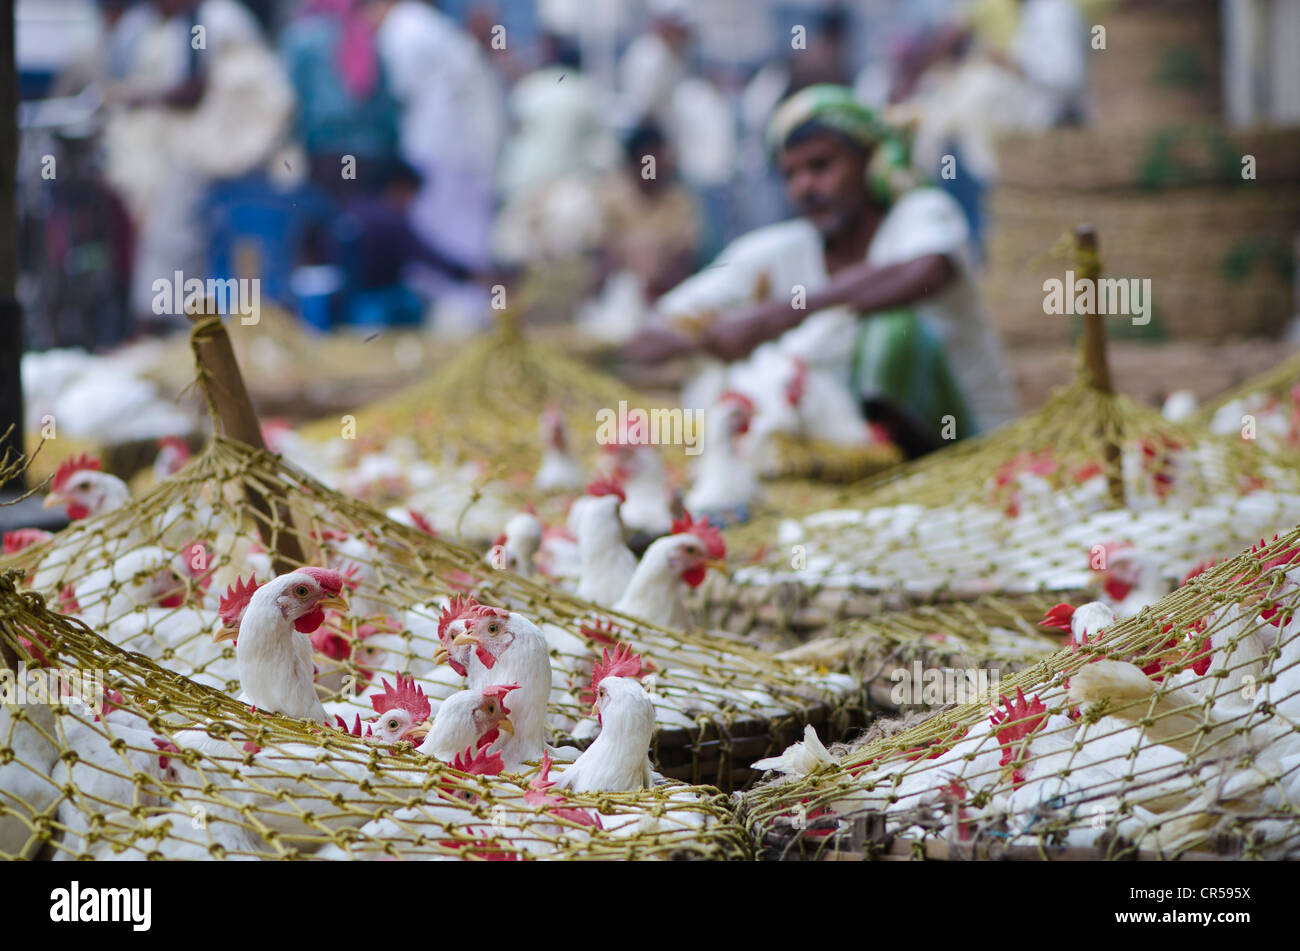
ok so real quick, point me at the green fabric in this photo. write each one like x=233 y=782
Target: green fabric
x=833 y=106
x=890 y=172
x=899 y=357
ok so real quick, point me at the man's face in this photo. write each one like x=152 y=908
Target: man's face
x=825 y=180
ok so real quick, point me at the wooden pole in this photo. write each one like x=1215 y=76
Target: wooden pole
x=11 y=314
x=1095 y=359
x=237 y=420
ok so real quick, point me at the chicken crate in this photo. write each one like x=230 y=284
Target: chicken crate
x=154 y=575
x=917 y=660
x=109 y=756
x=1090 y=488
x=1174 y=734
x=1263 y=410
x=508 y=421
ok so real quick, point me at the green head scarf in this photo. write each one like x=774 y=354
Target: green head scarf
x=889 y=172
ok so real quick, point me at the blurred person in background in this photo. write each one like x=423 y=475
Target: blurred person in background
x=451 y=128
x=201 y=99
x=872 y=286
x=651 y=235
x=377 y=249
x=560 y=123
x=1002 y=65
x=344 y=106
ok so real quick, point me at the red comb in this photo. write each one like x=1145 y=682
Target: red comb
x=457 y=608
x=405 y=695
x=602 y=631
x=70 y=466
x=343 y=725
x=622 y=663
x=327 y=578
x=599 y=487
x=422 y=523
x=739 y=398
x=537 y=796
x=705 y=531
x=1058 y=617
x=499 y=691
x=1023 y=718
x=21 y=538
x=481 y=763
x=232 y=606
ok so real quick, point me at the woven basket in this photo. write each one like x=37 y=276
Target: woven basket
x=1218 y=258
x=1161 y=63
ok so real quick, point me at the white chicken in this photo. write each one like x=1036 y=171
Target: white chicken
x=271 y=621
x=618 y=759
x=26 y=788
x=84 y=490
x=498 y=647
x=469 y=720
x=514 y=548
x=669 y=566
x=726 y=480
x=648 y=500
x=558 y=471
x=607 y=563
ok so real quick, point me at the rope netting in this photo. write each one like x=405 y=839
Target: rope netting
x=1263 y=411
x=921 y=658
x=478 y=425
x=105 y=754
x=149 y=577
x=1172 y=733
x=1091 y=489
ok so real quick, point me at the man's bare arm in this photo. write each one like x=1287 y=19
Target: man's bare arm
x=863 y=287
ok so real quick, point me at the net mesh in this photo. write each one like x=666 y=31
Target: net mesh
x=1043 y=504
x=95 y=763
x=1263 y=411
x=1172 y=733
x=474 y=424
x=719 y=704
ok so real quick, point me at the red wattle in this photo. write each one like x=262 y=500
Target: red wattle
x=694 y=576
x=309 y=621
x=485 y=656
x=76 y=511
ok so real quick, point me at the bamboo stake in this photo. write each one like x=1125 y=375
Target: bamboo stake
x=233 y=413
x=1095 y=359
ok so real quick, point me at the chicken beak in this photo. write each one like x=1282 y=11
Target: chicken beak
x=335 y=601
x=717 y=564
x=460 y=640
x=54 y=499
x=417 y=733
x=439 y=655
x=595 y=709
x=505 y=724
x=225 y=633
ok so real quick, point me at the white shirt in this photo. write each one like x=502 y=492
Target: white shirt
x=923 y=221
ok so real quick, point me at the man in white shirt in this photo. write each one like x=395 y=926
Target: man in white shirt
x=871 y=286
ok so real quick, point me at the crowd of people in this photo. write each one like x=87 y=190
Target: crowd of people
x=381 y=162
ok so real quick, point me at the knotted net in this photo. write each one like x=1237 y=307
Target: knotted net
x=1172 y=733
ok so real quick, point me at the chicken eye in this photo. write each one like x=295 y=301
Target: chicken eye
x=301 y=591
x=392 y=724
x=493 y=627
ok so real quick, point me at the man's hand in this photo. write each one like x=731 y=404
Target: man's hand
x=657 y=344
x=736 y=333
